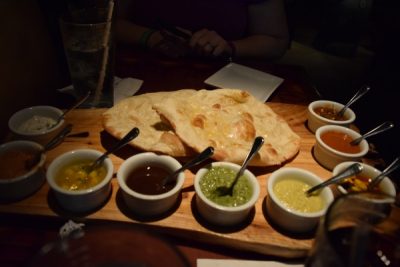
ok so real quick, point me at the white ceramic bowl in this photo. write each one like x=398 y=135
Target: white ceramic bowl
x=315 y=120
x=292 y=220
x=145 y=204
x=386 y=186
x=43 y=136
x=17 y=187
x=330 y=157
x=84 y=200
x=222 y=215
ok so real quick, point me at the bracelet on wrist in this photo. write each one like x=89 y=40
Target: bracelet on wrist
x=144 y=39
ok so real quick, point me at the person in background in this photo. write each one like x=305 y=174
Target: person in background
x=210 y=28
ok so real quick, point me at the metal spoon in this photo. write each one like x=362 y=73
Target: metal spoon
x=208 y=152
x=126 y=139
x=77 y=104
x=381 y=128
x=50 y=145
x=391 y=168
x=359 y=94
x=353 y=169
x=223 y=190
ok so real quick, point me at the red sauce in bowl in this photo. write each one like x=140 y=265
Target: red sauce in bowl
x=329 y=113
x=340 y=141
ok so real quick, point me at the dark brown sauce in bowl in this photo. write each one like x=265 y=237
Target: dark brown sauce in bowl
x=148 y=180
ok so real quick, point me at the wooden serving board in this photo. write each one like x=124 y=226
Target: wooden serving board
x=258 y=234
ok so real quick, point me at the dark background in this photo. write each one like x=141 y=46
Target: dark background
x=355 y=42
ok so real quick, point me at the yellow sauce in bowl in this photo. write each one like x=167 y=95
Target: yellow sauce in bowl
x=291 y=192
x=75 y=177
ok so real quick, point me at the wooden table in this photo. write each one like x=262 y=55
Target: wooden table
x=258 y=236
x=163 y=74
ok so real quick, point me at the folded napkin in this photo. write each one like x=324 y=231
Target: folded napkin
x=126 y=87
x=122 y=88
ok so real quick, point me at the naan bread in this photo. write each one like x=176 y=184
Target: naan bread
x=229 y=120
x=155 y=135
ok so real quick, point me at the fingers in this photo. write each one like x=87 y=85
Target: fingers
x=171 y=46
x=209 y=43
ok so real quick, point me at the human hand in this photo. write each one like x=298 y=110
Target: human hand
x=171 y=45
x=209 y=43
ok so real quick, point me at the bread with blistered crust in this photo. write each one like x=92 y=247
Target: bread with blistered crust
x=229 y=120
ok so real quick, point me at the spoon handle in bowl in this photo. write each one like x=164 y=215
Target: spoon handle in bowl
x=51 y=144
x=205 y=154
x=77 y=104
x=391 y=168
x=379 y=129
x=127 y=138
x=58 y=138
x=359 y=94
x=258 y=142
x=349 y=171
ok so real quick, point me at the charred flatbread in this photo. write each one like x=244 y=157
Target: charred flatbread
x=229 y=120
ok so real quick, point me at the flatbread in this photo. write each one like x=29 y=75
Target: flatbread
x=229 y=120
x=155 y=135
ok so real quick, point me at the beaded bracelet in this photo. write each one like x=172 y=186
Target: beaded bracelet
x=145 y=37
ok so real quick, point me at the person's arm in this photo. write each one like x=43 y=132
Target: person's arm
x=129 y=32
x=268 y=34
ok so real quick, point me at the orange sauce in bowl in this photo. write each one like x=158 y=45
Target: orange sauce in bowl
x=13 y=163
x=340 y=141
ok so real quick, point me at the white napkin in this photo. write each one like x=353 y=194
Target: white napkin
x=126 y=87
x=235 y=76
x=242 y=263
x=122 y=88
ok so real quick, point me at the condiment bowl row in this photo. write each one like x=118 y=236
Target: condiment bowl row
x=146 y=168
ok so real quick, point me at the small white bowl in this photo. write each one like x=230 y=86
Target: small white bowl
x=219 y=214
x=289 y=219
x=145 y=204
x=386 y=186
x=18 y=187
x=315 y=120
x=330 y=157
x=80 y=200
x=18 y=119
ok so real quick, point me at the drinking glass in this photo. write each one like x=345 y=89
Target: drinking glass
x=358 y=230
x=88 y=44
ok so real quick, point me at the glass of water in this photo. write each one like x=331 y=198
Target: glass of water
x=87 y=36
